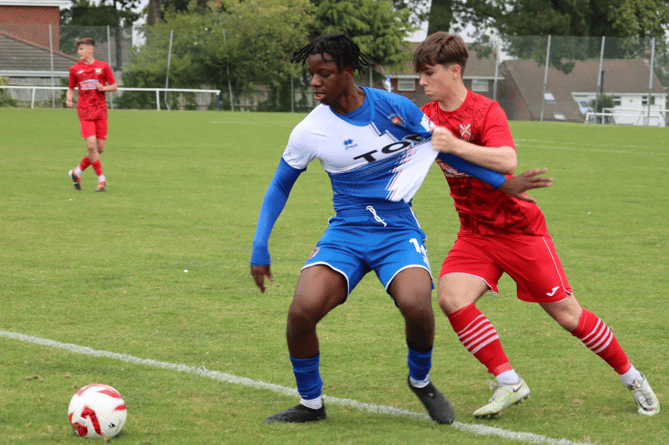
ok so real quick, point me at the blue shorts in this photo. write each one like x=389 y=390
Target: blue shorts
x=385 y=241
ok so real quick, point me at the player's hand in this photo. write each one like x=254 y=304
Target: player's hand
x=99 y=87
x=518 y=185
x=443 y=140
x=259 y=273
x=69 y=103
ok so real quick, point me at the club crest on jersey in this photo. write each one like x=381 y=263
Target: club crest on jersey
x=313 y=253
x=396 y=120
x=98 y=71
x=349 y=144
x=466 y=131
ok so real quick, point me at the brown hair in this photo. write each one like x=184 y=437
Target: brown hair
x=440 y=48
x=85 y=41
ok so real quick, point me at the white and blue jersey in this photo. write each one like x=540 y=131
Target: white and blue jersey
x=382 y=150
x=376 y=157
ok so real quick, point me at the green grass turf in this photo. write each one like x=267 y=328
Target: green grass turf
x=106 y=271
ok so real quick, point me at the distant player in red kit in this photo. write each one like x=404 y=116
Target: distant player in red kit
x=500 y=234
x=93 y=78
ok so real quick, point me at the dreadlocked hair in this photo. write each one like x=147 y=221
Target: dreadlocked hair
x=340 y=46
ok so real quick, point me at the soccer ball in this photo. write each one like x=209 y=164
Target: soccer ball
x=97 y=411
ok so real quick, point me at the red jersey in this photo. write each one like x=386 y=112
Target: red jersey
x=482 y=209
x=91 y=104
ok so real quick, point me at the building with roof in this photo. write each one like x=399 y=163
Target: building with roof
x=568 y=97
x=33 y=20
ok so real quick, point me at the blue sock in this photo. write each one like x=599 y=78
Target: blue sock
x=419 y=364
x=309 y=382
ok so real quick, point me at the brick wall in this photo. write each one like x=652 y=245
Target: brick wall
x=32 y=23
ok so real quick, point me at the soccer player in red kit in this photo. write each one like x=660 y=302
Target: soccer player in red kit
x=92 y=78
x=500 y=234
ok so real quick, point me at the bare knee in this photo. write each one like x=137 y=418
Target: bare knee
x=412 y=291
x=457 y=291
x=566 y=312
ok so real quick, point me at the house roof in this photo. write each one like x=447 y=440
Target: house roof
x=22 y=55
x=621 y=76
x=477 y=68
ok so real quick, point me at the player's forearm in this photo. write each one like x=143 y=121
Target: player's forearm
x=112 y=87
x=499 y=159
x=70 y=94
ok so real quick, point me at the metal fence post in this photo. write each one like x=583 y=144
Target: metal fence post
x=599 y=79
x=227 y=67
x=543 y=93
x=109 y=58
x=650 y=81
x=167 y=75
x=494 y=83
x=53 y=91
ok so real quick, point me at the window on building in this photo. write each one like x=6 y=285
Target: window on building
x=479 y=85
x=617 y=101
x=406 y=85
x=644 y=100
x=548 y=96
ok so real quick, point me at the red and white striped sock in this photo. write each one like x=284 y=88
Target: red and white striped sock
x=479 y=336
x=597 y=336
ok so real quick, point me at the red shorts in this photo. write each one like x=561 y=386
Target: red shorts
x=97 y=128
x=531 y=261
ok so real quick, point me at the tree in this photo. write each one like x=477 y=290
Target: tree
x=441 y=15
x=579 y=19
x=238 y=44
x=377 y=28
x=419 y=10
x=83 y=13
x=154 y=9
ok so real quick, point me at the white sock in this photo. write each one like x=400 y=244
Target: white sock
x=77 y=171
x=313 y=403
x=101 y=178
x=630 y=376
x=419 y=383
x=508 y=378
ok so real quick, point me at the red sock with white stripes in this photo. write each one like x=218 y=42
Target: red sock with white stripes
x=478 y=335
x=597 y=336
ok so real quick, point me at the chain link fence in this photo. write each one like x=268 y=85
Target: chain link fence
x=597 y=80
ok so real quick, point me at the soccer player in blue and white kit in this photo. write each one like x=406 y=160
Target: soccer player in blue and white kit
x=376 y=148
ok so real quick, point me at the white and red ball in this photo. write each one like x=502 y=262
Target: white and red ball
x=97 y=411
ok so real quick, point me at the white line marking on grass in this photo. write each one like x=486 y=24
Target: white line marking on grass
x=482 y=430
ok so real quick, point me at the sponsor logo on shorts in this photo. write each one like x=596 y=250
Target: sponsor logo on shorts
x=552 y=292
x=313 y=253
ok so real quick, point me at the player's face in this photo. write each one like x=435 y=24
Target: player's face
x=440 y=81
x=328 y=82
x=85 y=52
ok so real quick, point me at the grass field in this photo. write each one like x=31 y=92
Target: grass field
x=107 y=271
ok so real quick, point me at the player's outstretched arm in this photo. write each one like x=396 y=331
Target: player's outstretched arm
x=273 y=203
x=518 y=185
x=259 y=273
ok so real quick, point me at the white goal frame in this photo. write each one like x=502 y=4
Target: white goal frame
x=641 y=117
x=157 y=90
